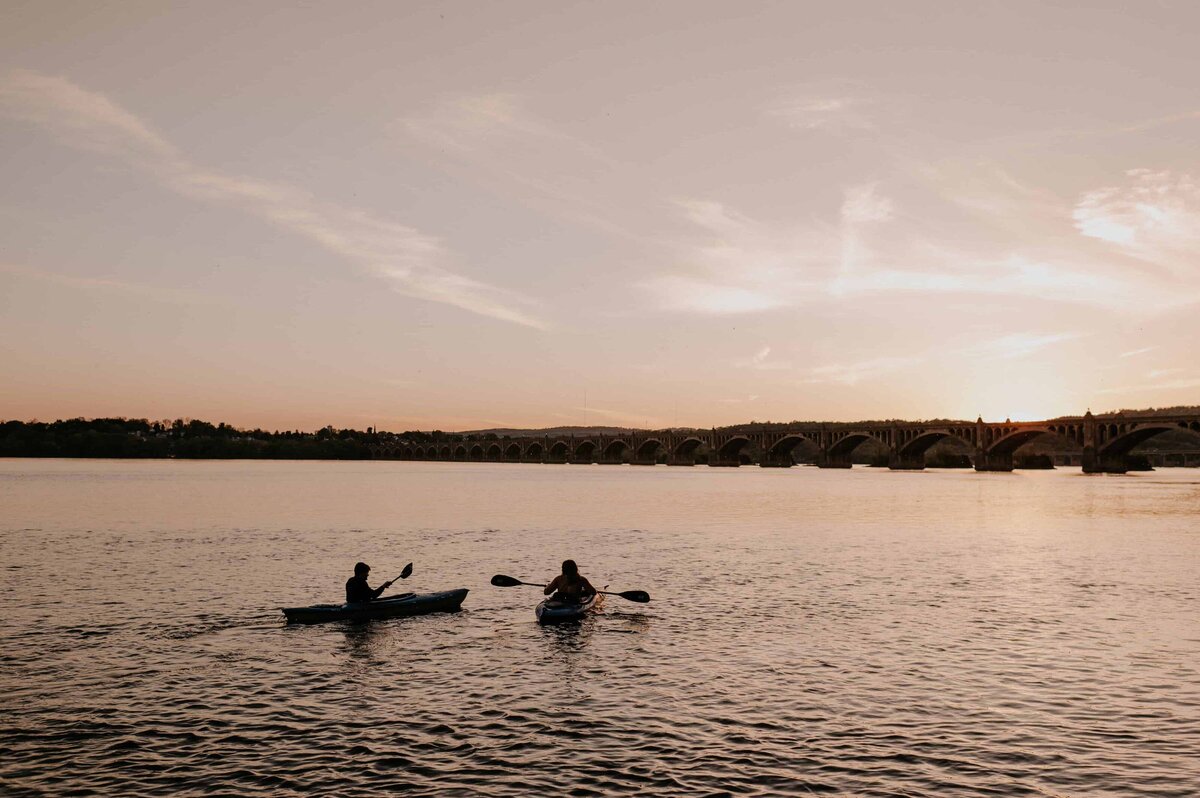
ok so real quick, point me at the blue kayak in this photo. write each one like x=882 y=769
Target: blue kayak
x=391 y=607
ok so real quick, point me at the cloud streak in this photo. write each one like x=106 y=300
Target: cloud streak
x=854 y=373
x=735 y=264
x=411 y=261
x=1006 y=347
x=1166 y=385
x=760 y=361
x=828 y=112
x=493 y=135
x=1155 y=217
x=141 y=290
x=1017 y=345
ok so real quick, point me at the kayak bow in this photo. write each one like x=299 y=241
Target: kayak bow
x=551 y=611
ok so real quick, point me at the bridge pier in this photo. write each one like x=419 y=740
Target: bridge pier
x=906 y=462
x=1103 y=463
x=985 y=461
x=827 y=460
x=776 y=460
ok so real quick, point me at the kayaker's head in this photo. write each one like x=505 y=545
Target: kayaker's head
x=361 y=569
x=570 y=568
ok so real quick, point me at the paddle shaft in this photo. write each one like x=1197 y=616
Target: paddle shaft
x=641 y=598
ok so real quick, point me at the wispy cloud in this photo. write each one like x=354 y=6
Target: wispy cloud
x=469 y=122
x=992 y=195
x=78 y=117
x=1151 y=387
x=411 y=261
x=760 y=361
x=1155 y=217
x=861 y=371
x=1019 y=344
x=1136 y=352
x=141 y=290
x=827 y=112
x=735 y=264
x=498 y=139
x=1012 y=346
x=865 y=204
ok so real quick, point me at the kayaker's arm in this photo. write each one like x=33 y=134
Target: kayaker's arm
x=357 y=590
x=550 y=588
x=377 y=592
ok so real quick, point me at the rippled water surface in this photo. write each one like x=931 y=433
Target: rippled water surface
x=858 y=632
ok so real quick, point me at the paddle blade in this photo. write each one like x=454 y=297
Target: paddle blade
x=407 y=572
x=640 y=596
x=500 y=580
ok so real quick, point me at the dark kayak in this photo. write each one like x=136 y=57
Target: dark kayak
x=391 y=607
x=551 y=611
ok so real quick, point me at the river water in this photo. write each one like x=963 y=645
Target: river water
x=859 y=632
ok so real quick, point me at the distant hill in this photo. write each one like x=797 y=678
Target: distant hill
x=500 y=432
x=1178 y=410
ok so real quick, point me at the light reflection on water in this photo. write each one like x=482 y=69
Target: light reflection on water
x=860 y=633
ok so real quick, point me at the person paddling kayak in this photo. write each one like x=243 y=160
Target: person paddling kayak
x=357 y=589
x=571 y=587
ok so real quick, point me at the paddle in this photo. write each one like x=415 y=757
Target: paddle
x=640 y=596
x=405 y=574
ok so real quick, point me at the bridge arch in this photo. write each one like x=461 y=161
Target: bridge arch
x=614 y=452
x=648 y=450
x=533 y=453
x=685 y=450
x=732 y=451
x=559 y=452
x=476 y=452
x=1121 y=442
x=1006 y=444
x=924 y=441
x=494 y=452
x=585 y=452
x=782 y=449
x=513 y=452
x=845 y=446
x=444 y=453
x=407 y=454
x=460 y=452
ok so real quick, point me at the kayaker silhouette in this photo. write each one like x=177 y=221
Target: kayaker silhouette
x=357 y=589
x=571 y=587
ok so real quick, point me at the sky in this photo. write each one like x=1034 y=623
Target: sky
x=468 y=215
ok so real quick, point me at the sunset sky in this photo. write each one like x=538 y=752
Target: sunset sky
x=466 y=215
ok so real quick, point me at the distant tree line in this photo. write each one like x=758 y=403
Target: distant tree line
x=190 y=438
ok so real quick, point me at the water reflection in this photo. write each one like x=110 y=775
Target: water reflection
x=364 y=641
x=570 y=636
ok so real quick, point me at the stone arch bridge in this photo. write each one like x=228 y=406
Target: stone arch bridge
x=1105 y=442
